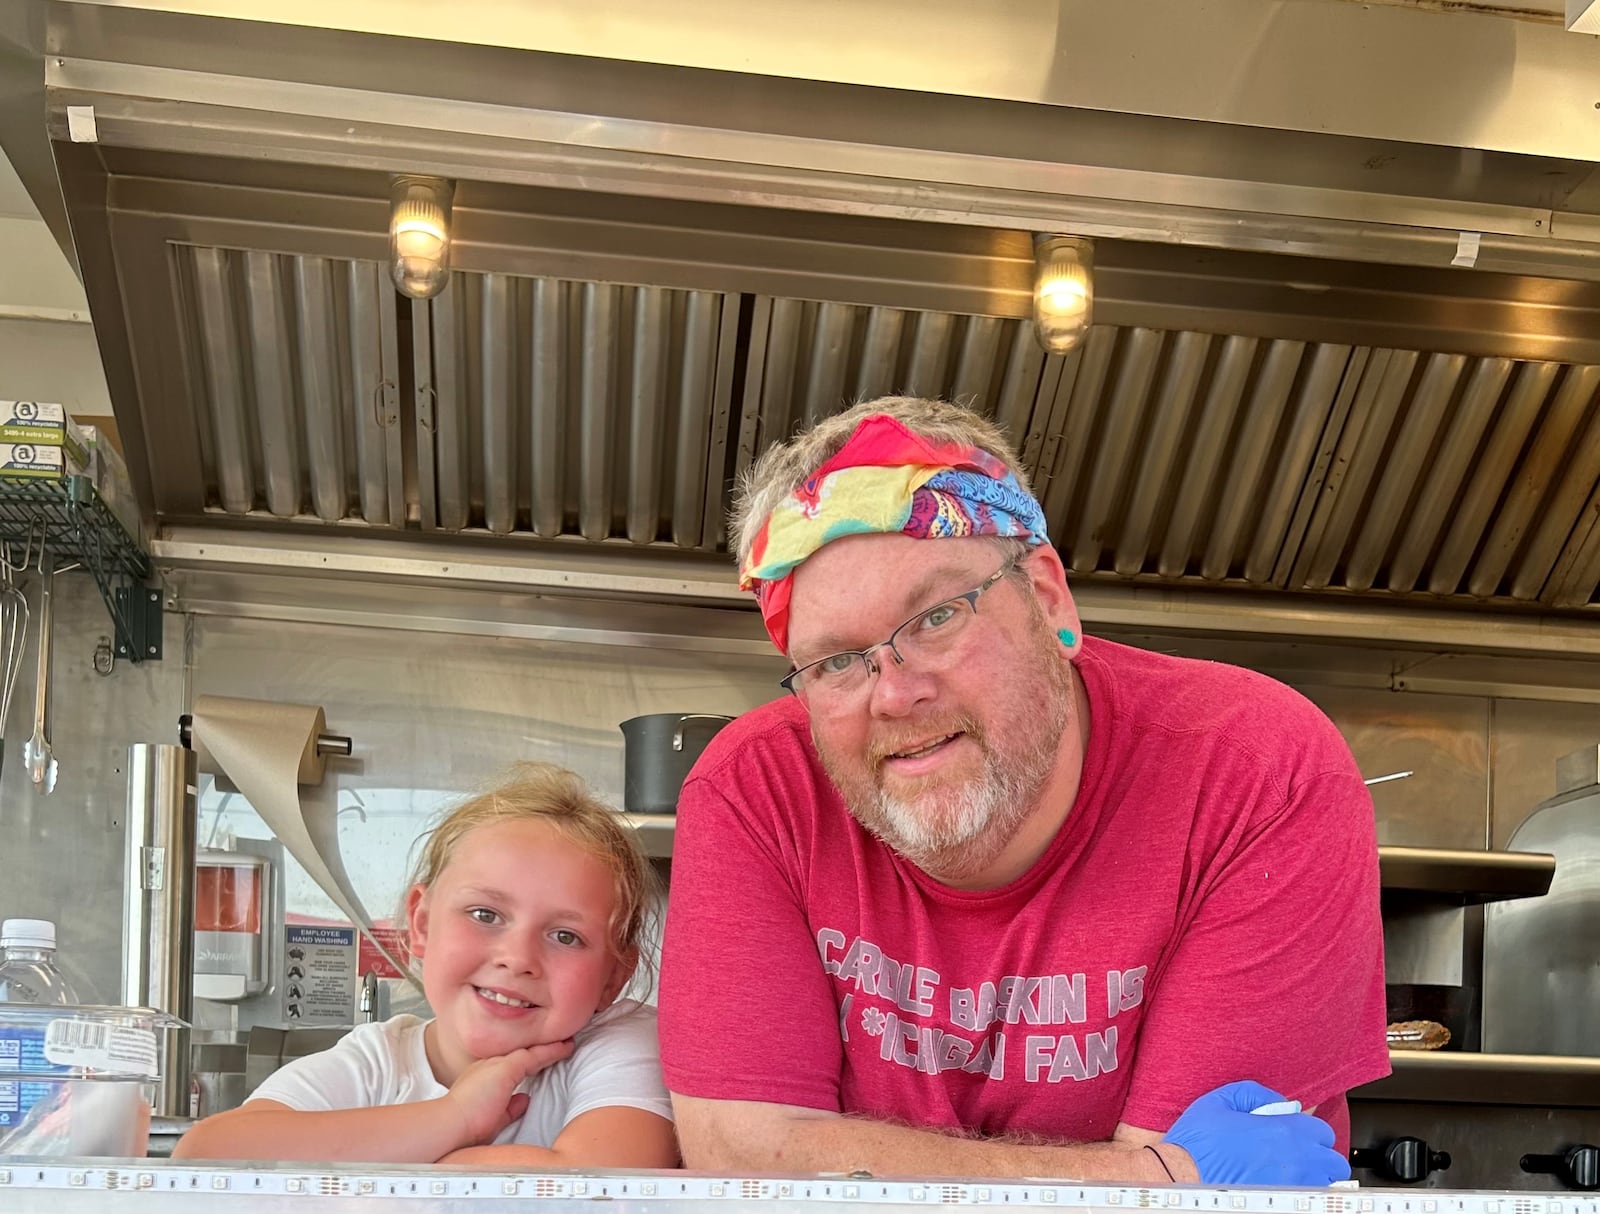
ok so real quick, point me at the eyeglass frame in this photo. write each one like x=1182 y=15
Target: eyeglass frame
x=1012 y=564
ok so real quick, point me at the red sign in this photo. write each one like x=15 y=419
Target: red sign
x=370 y=961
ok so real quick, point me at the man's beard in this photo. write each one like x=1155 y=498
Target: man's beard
x=952 y=833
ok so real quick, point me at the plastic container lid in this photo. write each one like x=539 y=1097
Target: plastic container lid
x=27 y=933
x=85 y=1042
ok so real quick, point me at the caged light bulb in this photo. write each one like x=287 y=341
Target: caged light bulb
x=1063 y=291
x=419 y=235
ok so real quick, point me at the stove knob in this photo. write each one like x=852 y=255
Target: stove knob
x=1403 y=1160
x=1578 y=1167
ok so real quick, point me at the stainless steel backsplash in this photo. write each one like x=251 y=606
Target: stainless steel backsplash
x=442 y=713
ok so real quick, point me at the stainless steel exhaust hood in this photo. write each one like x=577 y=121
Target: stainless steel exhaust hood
x=664 y=265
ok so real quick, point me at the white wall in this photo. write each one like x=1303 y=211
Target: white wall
x=47 y=347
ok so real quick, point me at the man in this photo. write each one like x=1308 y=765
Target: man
x=982 y=897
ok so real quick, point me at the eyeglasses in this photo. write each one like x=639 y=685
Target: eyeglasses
x=927 y=639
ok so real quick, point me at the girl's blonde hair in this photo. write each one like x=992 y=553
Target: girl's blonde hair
x=543 y=792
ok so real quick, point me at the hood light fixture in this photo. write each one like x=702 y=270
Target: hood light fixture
x=419 y=234
x=1063 y=291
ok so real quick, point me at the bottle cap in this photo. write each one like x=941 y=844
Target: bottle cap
x=27 y=933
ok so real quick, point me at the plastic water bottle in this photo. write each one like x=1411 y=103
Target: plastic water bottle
x=28 y=975
x=28 y=972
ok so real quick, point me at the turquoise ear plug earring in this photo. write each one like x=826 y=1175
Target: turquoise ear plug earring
x=1067 y=637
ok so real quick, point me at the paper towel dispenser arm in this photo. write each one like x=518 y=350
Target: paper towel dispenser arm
x=327 y=743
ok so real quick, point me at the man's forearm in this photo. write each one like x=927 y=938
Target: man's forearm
x=847 y=1144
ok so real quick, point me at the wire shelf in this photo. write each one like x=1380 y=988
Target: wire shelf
x=66 y=521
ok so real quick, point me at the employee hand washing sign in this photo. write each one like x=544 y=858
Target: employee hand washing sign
x=319 y=974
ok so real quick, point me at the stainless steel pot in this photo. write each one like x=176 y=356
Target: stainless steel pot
x=658 y=751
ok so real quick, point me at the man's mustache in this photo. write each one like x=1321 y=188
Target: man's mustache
x=906 y=738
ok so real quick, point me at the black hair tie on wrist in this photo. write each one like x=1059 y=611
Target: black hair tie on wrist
x=1162 y=1162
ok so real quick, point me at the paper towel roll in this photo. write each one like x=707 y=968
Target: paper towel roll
x=259 y=740
x=267 y=750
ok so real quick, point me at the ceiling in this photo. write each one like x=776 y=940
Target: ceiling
x=661 y=269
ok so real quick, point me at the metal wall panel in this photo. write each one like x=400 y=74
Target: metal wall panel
x=1469 y=476
x=443 y=712
x=550 y=408
x=1284 y=464
x=64 y=853
x=1184 y=455
x=810 y=360
x=578 y=408
x=292 y=362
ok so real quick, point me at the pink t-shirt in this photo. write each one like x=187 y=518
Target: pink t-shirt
x=1208 y=912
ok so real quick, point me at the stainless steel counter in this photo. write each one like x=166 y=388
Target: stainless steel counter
x=164 y=1134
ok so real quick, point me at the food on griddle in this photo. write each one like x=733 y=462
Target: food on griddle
x=1418 y=1035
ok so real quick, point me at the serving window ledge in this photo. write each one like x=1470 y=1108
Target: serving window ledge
x=1453 y=1077
x=1466 y=876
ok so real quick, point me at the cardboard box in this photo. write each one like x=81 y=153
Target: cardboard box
x=110 y=476
x=38 y=461
x=43 y=424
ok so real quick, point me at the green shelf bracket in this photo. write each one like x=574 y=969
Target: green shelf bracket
x=138 y=608
x=67 y=520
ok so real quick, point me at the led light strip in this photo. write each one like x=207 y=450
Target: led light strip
x=430 y=1185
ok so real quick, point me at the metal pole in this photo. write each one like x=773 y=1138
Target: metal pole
x=158 y=912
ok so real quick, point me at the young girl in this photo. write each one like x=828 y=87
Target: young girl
x=526 y=910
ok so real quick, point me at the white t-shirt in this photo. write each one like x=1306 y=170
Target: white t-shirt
x=616 y=1061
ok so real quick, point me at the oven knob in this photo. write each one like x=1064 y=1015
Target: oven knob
x=1403 y=1160
x=1578 y=1167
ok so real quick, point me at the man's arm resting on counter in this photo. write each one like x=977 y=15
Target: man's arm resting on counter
x=265 y=1129
x=616 y=1136
x=746 y=1136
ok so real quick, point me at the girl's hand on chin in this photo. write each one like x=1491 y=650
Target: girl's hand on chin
x=486 y=1096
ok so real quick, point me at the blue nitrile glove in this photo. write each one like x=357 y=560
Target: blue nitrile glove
x=1231 y=1146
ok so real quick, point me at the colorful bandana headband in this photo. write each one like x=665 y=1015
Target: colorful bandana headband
x=885 y=479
